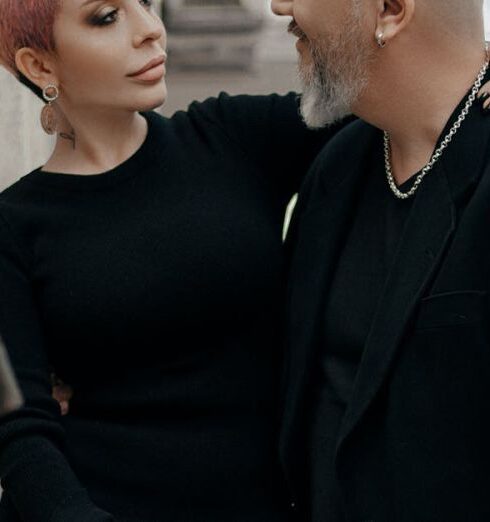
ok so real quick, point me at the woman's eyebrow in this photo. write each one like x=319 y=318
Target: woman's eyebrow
x=87 y=2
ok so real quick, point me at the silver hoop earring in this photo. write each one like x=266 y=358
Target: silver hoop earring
x=379 y=40
x=49 y=121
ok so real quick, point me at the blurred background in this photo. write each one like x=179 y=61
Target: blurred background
x=236 y=46
x=233 y=45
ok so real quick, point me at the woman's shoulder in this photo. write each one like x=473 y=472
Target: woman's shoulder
x=16 y=199
x=18 y=187
x=12 y=205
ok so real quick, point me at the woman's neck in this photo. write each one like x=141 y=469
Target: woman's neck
x=96 y=143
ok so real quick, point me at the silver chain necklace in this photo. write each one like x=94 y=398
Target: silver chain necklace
x=438 y=153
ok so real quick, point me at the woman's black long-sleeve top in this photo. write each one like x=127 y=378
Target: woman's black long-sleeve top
x=155 y=290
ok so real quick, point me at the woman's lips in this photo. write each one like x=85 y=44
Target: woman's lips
x=155 y=73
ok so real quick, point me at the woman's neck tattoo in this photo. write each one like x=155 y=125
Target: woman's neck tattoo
x=69 y=136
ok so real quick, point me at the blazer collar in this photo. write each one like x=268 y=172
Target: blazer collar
x=467 y=155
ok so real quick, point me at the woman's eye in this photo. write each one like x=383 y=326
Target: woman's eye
x=106 y=19
x=109 y=18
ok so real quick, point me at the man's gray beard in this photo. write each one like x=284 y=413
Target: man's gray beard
x=336 y=77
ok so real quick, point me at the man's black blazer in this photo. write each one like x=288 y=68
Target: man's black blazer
x=414 y=445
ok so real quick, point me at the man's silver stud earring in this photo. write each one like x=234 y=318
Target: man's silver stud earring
x=379 y=40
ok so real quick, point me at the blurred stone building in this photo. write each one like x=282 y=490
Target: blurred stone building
x=213 y=33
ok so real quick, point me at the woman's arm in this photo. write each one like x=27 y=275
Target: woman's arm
x=270 y=131
x=35 y=475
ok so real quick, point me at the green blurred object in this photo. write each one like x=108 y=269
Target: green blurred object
x=10 y=396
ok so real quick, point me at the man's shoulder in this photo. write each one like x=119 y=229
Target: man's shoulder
x=353 y=138
x=341 y=157
x=344 y=151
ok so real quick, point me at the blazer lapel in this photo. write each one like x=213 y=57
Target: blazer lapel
x=320 y=232
x=422 y=245
x=427 y=232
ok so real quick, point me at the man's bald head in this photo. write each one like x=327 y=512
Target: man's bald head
x=459 y=6
x=462 y=17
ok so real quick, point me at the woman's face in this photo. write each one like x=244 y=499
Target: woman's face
x=101 y=42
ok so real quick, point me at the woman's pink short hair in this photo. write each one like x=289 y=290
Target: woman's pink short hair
x=26 y=23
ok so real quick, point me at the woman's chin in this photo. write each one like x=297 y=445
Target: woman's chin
x=153 y=100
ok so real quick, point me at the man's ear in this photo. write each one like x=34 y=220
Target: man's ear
x=35 y=66
x=393 y=17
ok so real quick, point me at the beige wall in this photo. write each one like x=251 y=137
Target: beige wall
x=23 y=144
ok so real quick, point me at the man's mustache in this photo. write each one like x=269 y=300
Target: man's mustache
x=295 y=30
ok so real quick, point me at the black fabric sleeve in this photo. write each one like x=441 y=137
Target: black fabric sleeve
x=35 y=475
x=270 y=130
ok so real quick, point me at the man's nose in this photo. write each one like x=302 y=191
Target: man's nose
x=282 y=7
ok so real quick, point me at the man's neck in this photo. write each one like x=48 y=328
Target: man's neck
x=414 y=101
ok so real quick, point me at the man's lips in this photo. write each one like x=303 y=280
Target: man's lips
x=295 y=30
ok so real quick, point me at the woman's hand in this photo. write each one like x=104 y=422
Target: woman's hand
x=62 y=393
x=484 y=95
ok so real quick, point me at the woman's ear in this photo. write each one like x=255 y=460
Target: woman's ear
x=393 y=17
x=34 y=66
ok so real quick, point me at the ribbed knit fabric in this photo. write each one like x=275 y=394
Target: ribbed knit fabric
x=155 y=290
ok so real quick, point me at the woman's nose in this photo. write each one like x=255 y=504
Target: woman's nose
x=149 y=26
x=282 y=7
